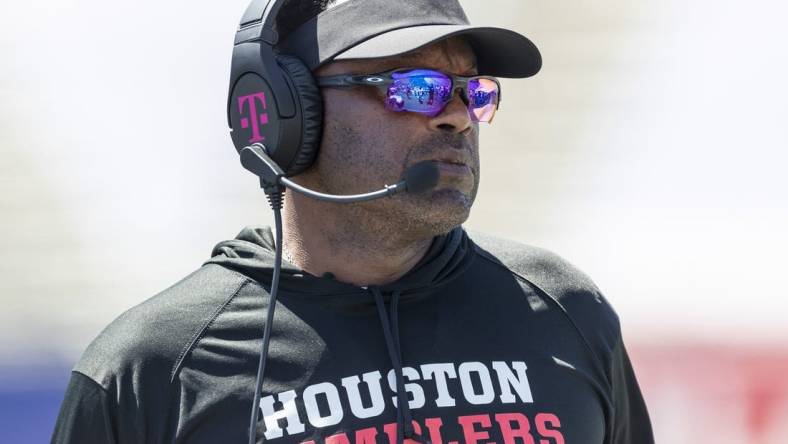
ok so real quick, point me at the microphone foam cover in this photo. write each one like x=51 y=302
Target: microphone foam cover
x=422 y=177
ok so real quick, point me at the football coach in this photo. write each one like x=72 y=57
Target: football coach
x=364 y=316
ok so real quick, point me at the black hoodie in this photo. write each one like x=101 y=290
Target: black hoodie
x=488 y=340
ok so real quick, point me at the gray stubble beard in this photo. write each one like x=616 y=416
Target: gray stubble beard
x=397 y=221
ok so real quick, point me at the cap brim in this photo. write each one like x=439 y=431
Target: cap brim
x=499 y=52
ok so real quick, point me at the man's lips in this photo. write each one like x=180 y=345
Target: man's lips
x=452 y=167
x=456 y=162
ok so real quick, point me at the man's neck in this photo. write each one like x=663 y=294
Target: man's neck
x=320 y=239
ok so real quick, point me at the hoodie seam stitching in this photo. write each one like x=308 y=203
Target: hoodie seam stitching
x=201 y=332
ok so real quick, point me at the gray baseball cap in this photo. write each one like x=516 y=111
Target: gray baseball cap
x=365 y=29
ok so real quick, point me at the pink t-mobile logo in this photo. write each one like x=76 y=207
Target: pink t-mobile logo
x=256 y=119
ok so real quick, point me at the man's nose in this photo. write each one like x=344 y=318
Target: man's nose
x=454 y=118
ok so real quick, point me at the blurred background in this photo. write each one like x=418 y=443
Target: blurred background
x=650 y=152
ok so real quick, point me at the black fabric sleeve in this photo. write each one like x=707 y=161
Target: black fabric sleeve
x=631 y=423
x=85 y=415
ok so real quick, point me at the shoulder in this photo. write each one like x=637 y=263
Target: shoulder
x=152 y=337
x=551 y=270
x=571 y=289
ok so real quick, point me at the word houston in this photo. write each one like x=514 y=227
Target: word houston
x=323 y=401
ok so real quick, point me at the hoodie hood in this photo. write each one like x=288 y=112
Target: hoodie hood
x=252 y=254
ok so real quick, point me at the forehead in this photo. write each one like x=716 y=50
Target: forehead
x=453 y=55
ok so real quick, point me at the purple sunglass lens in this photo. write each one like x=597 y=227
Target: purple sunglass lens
x=420 y=90
x=483 y=96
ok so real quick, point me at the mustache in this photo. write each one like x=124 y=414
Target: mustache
x=441 y=143
x=457 y=141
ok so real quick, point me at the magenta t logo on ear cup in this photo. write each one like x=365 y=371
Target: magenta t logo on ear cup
x=254 y=116
x=255 y=119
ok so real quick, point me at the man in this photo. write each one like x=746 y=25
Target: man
x=392 y=323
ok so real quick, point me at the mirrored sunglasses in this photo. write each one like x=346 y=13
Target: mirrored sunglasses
x=426 y=91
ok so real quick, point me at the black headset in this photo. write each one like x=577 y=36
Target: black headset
x=275 y=113
x=274 y=99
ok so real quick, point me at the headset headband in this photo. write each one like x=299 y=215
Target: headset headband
x=259 y=21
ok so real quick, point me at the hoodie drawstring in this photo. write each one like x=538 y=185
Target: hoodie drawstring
x=390 y=323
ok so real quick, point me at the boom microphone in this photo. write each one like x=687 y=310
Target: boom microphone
x=418 y=178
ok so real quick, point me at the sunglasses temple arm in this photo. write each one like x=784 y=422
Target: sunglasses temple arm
x=333 y=82
x=341 y=81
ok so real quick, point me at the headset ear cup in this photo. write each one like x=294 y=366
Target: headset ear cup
x=311 y=104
